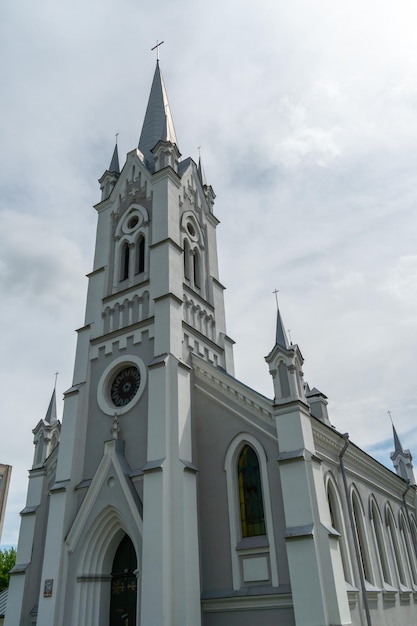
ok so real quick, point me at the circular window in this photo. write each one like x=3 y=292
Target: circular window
x=133 y=222
x=125 y=386
x=121 y=385
x=191 y=229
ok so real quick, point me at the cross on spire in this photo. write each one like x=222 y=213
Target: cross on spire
x=158 y=43
x=276 y=292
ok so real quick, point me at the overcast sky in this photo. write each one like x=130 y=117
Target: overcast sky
x=307 y=117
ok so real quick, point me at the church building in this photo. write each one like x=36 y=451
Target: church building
x=173 y=494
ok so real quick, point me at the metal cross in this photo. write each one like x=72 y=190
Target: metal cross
x=117 y=136
x=389 y=413
x=56 y=376
x=276 y=291
x=158 y=43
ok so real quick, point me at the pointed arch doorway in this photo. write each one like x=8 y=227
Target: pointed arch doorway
x=123 y=601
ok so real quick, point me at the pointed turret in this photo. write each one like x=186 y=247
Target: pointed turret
x=402 y=459
x=285 y=362
x=114 y=167
x=50 y=417
x=397 y=444
x=201 y=173
x=110 y=176
x=46 y=433
x=280 y=335
x=158 y=124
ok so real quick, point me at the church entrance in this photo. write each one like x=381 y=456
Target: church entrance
x=123 y=601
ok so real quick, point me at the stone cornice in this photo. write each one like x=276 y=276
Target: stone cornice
x=238 y=393
x=124 y=292
x=188 y=291
x=359 y=465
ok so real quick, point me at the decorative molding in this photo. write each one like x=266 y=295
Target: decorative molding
x=247 y=603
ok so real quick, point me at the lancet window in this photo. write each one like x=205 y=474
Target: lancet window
x=250 y=494
x=124 y=261
x=336 y=517
x=362 y=539
x=140 y=254
x=380 y=543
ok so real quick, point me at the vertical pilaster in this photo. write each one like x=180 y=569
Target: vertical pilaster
x=170 y=559
x=316 y=571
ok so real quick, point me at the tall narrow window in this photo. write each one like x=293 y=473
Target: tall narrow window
x=392 y=530
x=361 y=535
x=186 y=260
x=250 y=494
x=124 y=262
x=197 y=269
x=408 y=548
x=380 y=543
x=337 y=523
x=140 y=255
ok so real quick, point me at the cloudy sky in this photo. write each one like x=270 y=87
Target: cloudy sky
x=307 y=117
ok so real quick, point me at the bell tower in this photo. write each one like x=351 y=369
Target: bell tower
x=126 y=463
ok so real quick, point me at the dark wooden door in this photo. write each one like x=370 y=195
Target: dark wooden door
x=124 y=585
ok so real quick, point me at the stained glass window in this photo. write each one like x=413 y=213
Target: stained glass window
x=250 y=494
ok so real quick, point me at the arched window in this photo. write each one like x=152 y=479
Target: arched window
x=246 y=467
x=408 y=548
x=361 y=535
x=250 y=494
x=186 y=259
x=124 y=262
x=392 y=532
x=197 y=269
x=124 y=584
x=380 y=543
x=140 y=254
x=336 y=517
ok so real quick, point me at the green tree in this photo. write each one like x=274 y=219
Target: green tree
x=7 y=561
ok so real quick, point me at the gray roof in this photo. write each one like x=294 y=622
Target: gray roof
x=3 y=602
x=158 y=124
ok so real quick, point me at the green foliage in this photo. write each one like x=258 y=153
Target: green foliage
x=7 y=561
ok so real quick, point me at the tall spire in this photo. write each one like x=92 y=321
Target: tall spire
x=158 y=124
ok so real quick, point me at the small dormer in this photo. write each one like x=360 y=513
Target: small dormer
x=318 y=404
x=285 y=366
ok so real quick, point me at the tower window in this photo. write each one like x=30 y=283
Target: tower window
x=124 y=262
x=186 y=260
x=140 y=254
x=250 y=494
x=197 y=269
